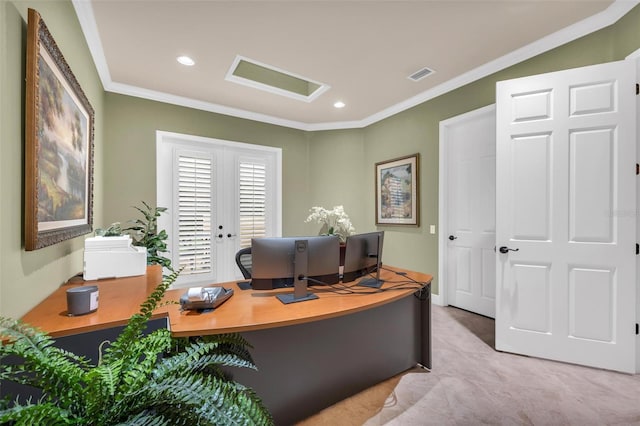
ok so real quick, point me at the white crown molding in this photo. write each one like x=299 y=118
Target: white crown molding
x=607 y=17
x=87 y=20
x=633 y=55
x=125 y=89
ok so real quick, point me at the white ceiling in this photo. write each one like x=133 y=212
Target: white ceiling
x=364 y=50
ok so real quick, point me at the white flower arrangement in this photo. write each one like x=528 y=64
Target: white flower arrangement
x=334 y=222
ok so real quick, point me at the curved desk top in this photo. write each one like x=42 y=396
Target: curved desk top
x=249 y=310
x=246 y=310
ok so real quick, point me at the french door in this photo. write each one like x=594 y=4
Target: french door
x=566 y=216
x=219 y=195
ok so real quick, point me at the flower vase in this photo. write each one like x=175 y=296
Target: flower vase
x=343 y=250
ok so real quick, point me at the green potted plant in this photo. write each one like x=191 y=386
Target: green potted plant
x=139 y=380
x=144 y=233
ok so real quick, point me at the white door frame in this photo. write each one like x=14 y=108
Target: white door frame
x=443 y=199
x=636 y=56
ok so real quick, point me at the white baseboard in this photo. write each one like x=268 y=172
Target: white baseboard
x=436 y=299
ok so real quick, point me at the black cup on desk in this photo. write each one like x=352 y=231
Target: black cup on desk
x=82 y=300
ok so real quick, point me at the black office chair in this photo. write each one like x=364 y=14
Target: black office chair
x=243 y=259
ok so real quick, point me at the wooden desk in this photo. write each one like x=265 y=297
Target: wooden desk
x=309 y=354
x=250 y=310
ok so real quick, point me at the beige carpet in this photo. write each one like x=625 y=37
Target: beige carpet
x=472 y=384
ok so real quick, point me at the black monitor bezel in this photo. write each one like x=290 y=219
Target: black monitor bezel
x=281 y=273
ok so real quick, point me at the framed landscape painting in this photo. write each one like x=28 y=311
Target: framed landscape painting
x=58 y=145
x=397 y=194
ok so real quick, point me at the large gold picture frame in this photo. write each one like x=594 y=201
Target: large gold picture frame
x=58 y=145
x=397 y=192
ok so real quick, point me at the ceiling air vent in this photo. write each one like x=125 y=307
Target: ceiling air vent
x=420 y=74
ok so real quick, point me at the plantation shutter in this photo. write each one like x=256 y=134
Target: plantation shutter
x=252 y=201
x=195 y=202
x=219 y=195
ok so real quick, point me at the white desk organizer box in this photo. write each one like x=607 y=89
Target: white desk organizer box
x=113 y=257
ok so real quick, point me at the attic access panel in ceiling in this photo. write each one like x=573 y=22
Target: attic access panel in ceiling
x=260 y=76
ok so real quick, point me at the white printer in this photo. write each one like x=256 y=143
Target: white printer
x=113 y=257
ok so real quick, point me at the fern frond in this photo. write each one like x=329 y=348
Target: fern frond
x=58 y=373
x=235 y=339
x=211 y=362
x=225 y=402
x=26 y=338
x=36 y=414
x=137 y=323
x=101 y=381
x=231 y=343
x=143 y=359
x=204 y=400
x=201 y=356
x=146 y=418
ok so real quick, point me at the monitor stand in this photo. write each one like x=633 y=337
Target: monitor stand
x=372 y=282
x=300 y=262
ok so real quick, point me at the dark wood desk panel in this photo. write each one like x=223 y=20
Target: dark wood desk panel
x=307 y=367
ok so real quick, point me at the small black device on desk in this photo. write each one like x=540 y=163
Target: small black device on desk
x=201 y=298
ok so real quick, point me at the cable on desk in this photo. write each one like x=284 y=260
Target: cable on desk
x=343 y=289
x=422 y=294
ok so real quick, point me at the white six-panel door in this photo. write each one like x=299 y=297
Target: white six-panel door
x=566 y=216
x=470 y=144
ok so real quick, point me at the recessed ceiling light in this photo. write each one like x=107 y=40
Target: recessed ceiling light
x=185 y=60
x=339 y=104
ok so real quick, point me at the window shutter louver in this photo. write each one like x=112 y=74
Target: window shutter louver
x=194 y=214
x=252 y=202
x=219 y=195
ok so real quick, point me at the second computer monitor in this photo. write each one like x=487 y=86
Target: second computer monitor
x=363 y=255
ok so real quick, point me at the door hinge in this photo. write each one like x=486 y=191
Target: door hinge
x=637 y=169
x=637 y=329
x=637 y=89
x=637 y=248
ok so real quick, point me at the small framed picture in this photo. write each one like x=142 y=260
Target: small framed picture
x=59 y=145
x=397 y=192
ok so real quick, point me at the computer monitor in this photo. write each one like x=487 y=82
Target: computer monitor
x=363 y=256
x=273 y=261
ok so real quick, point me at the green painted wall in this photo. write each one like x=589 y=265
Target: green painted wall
x=336 y=172
x=131 y=153
x=28 y=277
